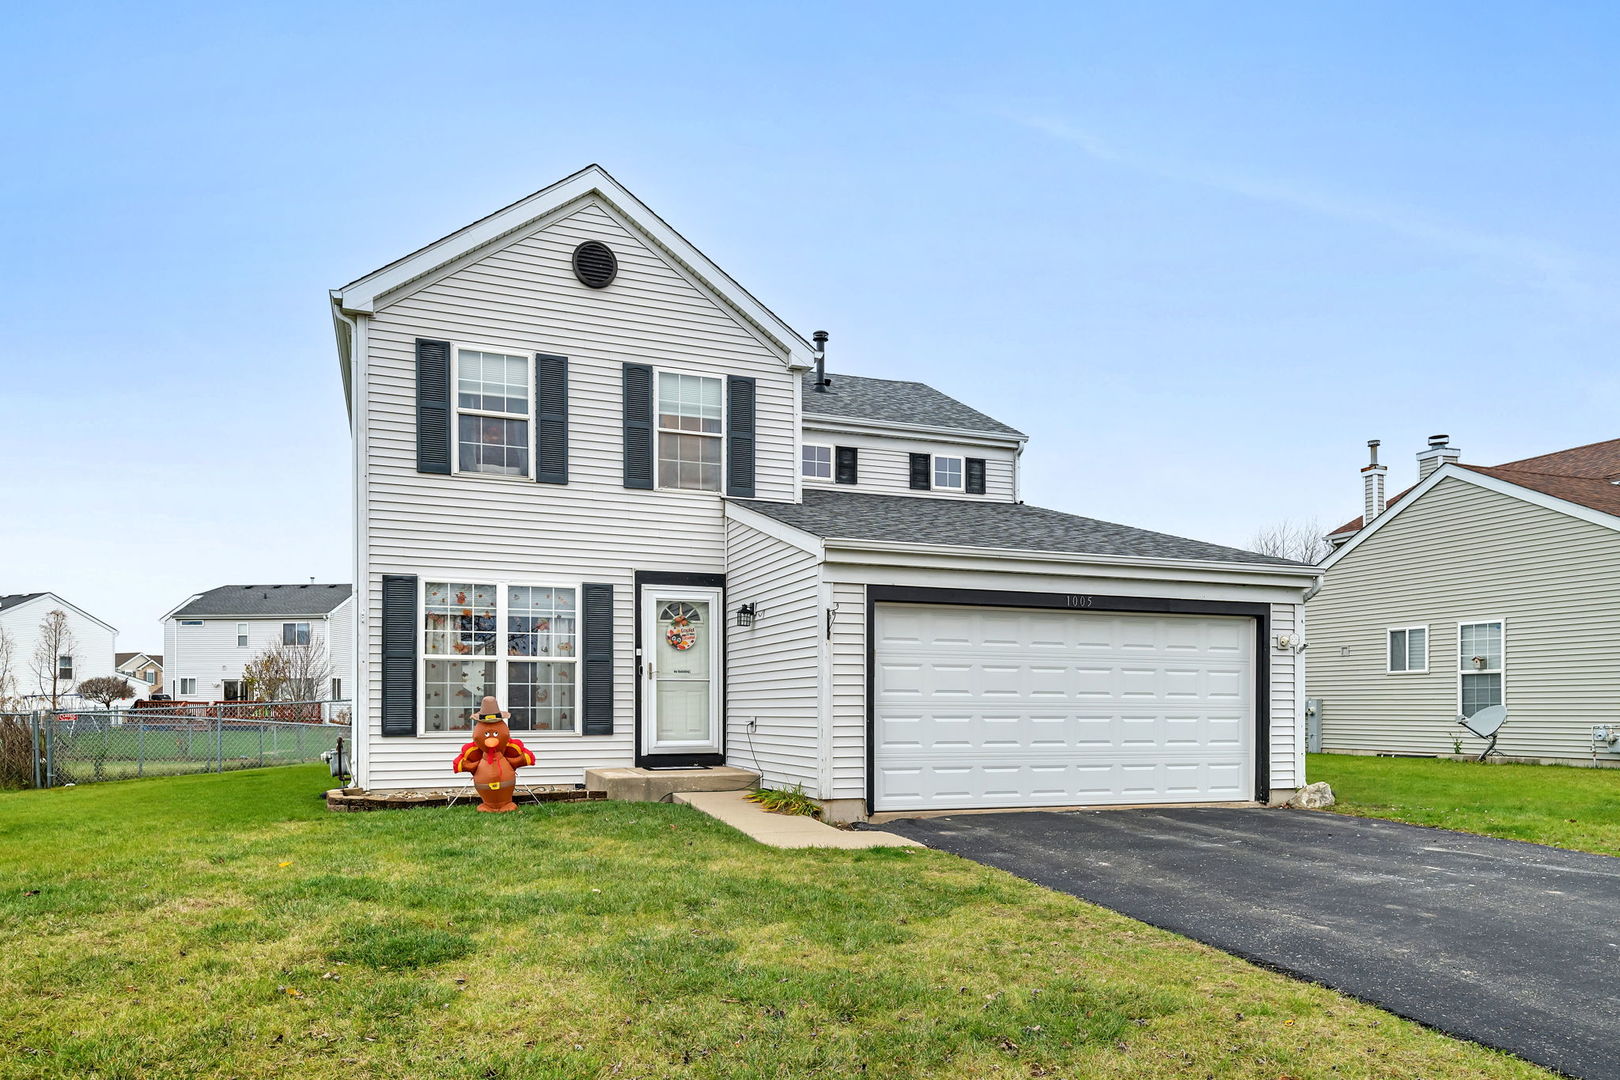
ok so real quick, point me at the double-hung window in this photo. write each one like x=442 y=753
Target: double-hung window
x=293 y=633
x=492 y=413
x=241 y=635
x=1408 y=650
x=1479 y=663
x=948 y=473
x=64 y=667
x=517 y=643
x=689 y=431
x=816 y=462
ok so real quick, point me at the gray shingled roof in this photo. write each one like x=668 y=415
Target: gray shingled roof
x=970 y=523
x=266 y=600
x=17 y=598
x=856 y=398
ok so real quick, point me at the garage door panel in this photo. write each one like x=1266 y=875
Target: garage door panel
x=1000 y=707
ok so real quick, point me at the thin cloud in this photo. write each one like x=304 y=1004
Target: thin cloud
x=1555 y=269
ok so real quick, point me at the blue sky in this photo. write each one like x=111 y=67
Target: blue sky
x=1201 y=252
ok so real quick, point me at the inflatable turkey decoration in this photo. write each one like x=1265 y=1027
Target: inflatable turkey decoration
x=493 y=757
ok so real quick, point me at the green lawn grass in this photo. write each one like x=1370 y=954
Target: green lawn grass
x=228 y=926
x=1549 y=804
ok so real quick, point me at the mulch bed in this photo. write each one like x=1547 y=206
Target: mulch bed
x=350 y=800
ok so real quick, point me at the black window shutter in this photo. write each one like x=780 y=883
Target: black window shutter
x=638 y=426
x=551 y=419
x=740 y=437
x=432 y=406
x=921 y=466
x=975 y=476
x=398 y=655
x=597 y=606
x=847 y=470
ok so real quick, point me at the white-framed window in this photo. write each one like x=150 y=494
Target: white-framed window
x=64 y=667
x=294 y=633
x=149 y=676
x=188 y=687
x=690 y=411
x=948 y=473
x=493 y=391
x=816 y=462
x=1481 y=656
x=516 y=641
x=337 y=689
x=241 y=635
x=1408 y=651
x=235 y=690
x=191 y=622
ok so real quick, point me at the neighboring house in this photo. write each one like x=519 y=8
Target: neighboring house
x=596 y=479
x=1479 y=586
x=213 y=636
x=91 y=655
x=143 y=670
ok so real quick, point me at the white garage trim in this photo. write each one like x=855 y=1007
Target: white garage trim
x=1245 y=771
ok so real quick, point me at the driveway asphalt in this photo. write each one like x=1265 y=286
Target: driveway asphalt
x=1513 y=945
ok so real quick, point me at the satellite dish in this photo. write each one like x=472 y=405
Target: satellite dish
x=1486 y=724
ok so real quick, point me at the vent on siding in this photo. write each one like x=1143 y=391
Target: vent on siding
x=595 y=264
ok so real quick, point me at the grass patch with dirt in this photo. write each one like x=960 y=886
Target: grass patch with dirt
x=228 y=926
x=1560 y=805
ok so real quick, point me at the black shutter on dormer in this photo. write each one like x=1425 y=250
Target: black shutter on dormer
x=740 y=437
x=432 y=406
x=638 y=426
x=597 y=710
x=975 y=476
x=847 y=468
x=921 y=466
x=551 y=419
x=398 y=655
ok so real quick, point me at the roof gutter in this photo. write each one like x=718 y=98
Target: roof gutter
x=346 y=329
x=857 y=425
x=1070 y=557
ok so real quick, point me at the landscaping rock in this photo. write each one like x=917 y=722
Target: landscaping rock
x=1317 y=796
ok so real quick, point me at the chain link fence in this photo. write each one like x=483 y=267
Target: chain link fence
x=50 y=749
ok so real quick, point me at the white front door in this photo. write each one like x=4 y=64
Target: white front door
x=680 y=670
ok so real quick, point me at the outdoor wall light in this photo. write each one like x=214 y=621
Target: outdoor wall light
x=745 y=615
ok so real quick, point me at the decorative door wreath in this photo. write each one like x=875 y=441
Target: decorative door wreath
x=681 y=634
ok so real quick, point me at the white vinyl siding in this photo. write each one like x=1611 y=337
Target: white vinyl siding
x=208 y=650
x=772 y=666
x=523 y=298
x=885 y=463
x=93 y=649
x=1462 y=554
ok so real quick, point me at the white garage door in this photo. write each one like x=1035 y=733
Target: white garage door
x=985 y=707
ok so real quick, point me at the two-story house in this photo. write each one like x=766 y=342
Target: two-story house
x=1480 y=585
x=598 y=479
x=143 y=670
x=46 y=664
x=211 y=637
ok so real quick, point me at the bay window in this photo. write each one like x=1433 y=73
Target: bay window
x=517 y=643
x=492 y=413
x=689 y=432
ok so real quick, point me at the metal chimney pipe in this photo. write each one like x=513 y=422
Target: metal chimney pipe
x=820 y=338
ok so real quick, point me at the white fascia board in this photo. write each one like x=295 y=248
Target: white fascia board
x=1481 y=480
x=360 y=296
x=856 y=426
x=167 y=615
x=945 y=556
x=808 y=542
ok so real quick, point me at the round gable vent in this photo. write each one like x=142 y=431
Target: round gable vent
x=595 y=264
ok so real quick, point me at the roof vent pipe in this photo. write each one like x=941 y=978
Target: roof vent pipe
x=820 y=338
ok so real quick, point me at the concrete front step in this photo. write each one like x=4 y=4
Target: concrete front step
x=658 y=785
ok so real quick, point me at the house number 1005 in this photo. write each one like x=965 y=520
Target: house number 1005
x=1078 y=601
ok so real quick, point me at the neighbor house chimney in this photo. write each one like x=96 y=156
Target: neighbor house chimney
x=1436 y=455
x=820 y=338
x=1372 y=485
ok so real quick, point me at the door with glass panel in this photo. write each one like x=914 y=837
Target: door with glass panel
x=680 y=670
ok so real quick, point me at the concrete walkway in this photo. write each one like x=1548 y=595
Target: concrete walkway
x=784 y=830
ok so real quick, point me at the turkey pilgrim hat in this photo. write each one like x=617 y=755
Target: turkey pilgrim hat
x=493 y=758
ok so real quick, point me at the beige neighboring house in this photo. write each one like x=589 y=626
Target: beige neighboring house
x=143 y=670
x=1478 y=586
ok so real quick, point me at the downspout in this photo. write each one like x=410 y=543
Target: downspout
x=354 y=384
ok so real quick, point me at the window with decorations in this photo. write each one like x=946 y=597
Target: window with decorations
x=516 y=642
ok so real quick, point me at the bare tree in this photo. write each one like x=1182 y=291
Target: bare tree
x=56 y=643
x=1301 y=541
x=288 y=673
x=106 y=689
x=8 y=678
